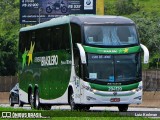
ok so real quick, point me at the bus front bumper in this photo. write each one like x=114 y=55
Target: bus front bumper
x=105 y=97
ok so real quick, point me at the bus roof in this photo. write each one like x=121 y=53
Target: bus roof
x=52 y=22
x=108 y=19
x=81 y=19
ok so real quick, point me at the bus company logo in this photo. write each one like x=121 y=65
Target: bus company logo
x=47 y=60
x=114 y=93
x=125 y=50
x=29 y=54
x=115 y=51
x=110 y=51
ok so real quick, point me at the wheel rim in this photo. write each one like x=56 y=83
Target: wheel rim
x=37 y=100
x=31 y=100
x=19 y=103
x=72 y=101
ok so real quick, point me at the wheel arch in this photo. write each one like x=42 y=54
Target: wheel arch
x=30 y=90
x=35 y=88
x=70 y=88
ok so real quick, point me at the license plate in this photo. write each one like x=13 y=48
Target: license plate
x=115 y=100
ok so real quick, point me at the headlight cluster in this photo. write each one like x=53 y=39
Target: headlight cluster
x=137 y=89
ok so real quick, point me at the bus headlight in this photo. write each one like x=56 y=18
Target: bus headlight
x=137 y=89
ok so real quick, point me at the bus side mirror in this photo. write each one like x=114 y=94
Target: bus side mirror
x=82 y=53
x=146 y=53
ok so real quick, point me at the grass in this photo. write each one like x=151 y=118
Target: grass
x=67 y=115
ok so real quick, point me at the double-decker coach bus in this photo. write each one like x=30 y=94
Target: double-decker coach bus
x=82 y=61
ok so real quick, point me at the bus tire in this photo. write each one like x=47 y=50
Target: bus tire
x=85 y=108
x=31 y=100
x=71 y=101
x=10 y=102
x=36 y=99
x=123 y=107
x=20 y=103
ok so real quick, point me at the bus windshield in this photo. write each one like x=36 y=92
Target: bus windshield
x=116 y=35
x=113 y=68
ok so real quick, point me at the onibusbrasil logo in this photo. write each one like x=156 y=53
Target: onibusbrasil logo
x=27 y=53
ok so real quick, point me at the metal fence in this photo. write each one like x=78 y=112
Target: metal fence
x=7 y=83
x=151 y=81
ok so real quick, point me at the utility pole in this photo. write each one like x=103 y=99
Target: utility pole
x=100 y=7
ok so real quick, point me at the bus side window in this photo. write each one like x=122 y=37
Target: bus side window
x=22 y=42
x=42 y=41
x=66 y=37
x=77 y=62
x=48 y=39
x=59 y=35
x=28 y=39
x=33 y=36
x=45 y=39
x=76 y=34
x=53 y=40
x=64 y=41
x=38 y=40
x=76 y=38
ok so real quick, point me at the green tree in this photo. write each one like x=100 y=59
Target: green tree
x=149 y=29
x=9 y=27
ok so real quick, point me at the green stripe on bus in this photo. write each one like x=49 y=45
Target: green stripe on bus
x=109 y=87
x=112 y=50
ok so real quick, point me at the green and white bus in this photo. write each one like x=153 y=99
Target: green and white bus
x=82 y=61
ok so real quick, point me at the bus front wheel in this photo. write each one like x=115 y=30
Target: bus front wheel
x=10 y=102
x=36 y=100
x=85 y=108
x=20 y=103
x=123 y=108
x=71 y=101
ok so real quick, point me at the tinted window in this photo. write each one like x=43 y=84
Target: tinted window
x=46 y=39
x=113 y=68
x=110 y=35
x=76 y=34
x=127 y=67
x=76 y=38
x=25 y=41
